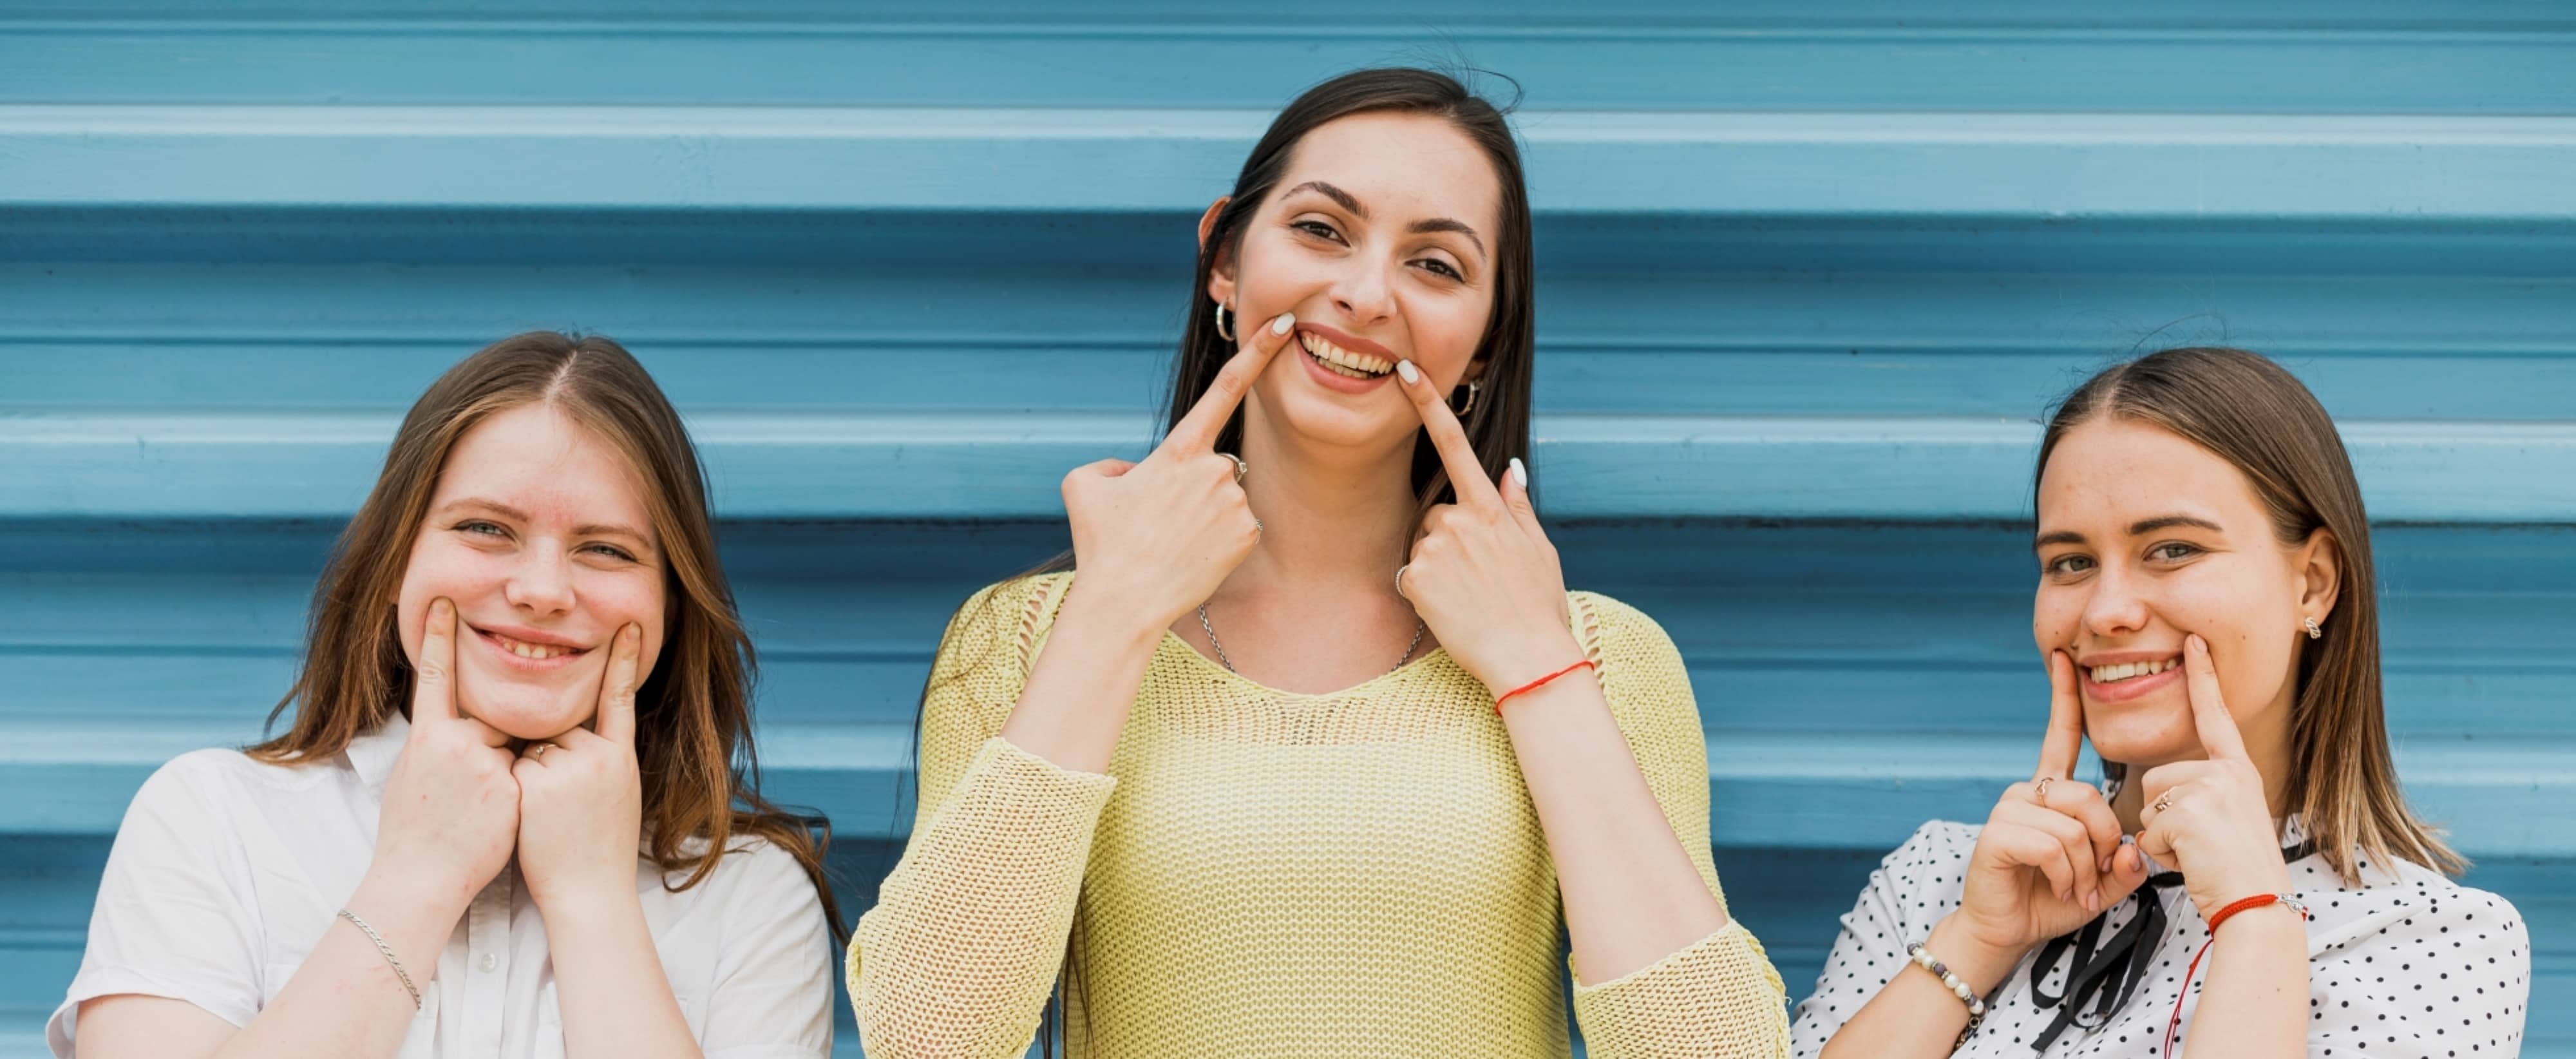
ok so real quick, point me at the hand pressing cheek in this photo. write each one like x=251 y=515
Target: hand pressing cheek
x=539 y=532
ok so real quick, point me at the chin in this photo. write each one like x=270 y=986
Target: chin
x=2141 y=741
x=529 y=713
x=1344 y=423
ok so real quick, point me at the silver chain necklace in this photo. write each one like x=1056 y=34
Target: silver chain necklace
x=1210 y=630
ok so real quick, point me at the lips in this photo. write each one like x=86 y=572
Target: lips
x=2121 y=678
x=529 y=649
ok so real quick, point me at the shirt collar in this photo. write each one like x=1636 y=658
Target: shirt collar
x=372 y=755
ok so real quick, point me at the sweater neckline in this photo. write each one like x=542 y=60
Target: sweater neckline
x=1174 y=641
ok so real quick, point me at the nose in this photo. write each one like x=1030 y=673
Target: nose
x=2115 y=608
x=1362 y=292
x=541 y=586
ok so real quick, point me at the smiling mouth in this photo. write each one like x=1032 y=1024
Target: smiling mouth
x=2113 y=674
x=537 y=652
x=1341 y=361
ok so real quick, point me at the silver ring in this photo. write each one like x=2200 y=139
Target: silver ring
x=539 y=749
x=1399 y=582
x=1240 y=468
x=2039 y=794
x=1256 y=527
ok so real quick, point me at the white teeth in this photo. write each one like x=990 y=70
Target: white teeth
x=1343 y=361
x=524 y=649
x=2112 y=674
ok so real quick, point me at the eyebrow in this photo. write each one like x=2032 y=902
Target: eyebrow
x=594 y=529
x=2140 y=528
x=1351 y=202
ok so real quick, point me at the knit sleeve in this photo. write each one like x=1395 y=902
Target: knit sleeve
x=1718 y=995
x=961 y=950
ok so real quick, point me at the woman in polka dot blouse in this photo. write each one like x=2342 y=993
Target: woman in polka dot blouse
x=2207 y=611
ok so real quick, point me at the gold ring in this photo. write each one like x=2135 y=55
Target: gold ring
x=539 y=750
x=2040 y=793
x=2164 y=802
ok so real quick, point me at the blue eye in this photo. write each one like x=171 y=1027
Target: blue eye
x=481 y=528
x=612 y=551
x=2171 y=551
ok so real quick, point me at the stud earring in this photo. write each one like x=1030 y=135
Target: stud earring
x=1222 y=331
x=2314 y=632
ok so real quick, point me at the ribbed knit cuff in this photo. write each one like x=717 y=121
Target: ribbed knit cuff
x=1718 y=996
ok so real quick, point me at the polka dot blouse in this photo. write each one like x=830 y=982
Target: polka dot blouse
x=2408 y=964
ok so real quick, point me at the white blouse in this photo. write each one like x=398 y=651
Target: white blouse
x=2409 y=964
x=227 y=871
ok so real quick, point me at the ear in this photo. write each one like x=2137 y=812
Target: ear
x=2320 y=573
x=1221 y=276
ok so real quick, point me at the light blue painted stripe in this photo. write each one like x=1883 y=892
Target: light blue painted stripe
x=1007 y=465
x=1852 y=167
x=1798 y=790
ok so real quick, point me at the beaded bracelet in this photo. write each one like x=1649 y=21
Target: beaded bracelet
x=1976 y=1004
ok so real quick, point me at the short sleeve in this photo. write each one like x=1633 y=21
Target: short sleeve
x=1720 y=992
x=1913 y=886
x=2416 y=969
x=773 y=983
x=176 y=915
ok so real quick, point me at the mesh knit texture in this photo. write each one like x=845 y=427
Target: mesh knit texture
x=1272 y=874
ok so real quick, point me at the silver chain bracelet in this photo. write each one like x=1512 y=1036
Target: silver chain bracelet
x=388 y=951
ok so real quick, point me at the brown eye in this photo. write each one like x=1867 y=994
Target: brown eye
x=1318 y=229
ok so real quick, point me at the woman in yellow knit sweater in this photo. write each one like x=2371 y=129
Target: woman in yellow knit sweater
x=1316 y=755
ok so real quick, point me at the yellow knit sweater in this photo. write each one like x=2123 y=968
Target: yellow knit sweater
x=1276 y=875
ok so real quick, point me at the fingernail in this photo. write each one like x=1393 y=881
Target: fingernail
x=1410 y=373
x=2196 y=643
x=1281 y=325
x=438 y=608
x=2093 y=902
x=1520 y=474
x=2106 y=863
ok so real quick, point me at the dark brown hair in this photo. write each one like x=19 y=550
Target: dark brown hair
x=1497 y=425
x=2255 y=415
x=693 y=744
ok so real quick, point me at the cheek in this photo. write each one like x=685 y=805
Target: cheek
x=436 y=570
x=634 y=598
x=2054 y=615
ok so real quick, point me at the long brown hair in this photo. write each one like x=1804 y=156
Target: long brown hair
x=1497 y=425
x=693 y=743
x=2255 y=415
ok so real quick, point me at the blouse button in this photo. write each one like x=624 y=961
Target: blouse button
x=489 y=962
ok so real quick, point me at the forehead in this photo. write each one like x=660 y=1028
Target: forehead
x=1402 y=167
x=535 y=458
x=2112 y=471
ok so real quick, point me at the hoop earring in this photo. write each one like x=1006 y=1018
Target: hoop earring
x=1221 y=330
x=1470 y=406
x=2314 y=633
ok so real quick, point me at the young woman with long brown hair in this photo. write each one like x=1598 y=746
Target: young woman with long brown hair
x=2209 y=619
x=507 y=819
x=1315 y=755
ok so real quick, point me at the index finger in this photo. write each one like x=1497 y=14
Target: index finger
x=2064 y=744
x=2218 y=734
x=617 y=687
x=433 y=684
x=1197 y=431
x=1457 y=454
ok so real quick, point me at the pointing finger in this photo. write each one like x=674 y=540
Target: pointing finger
x=617 y=688
x=2218 y=734
x=1197 y=431
x=1457 y=454
x=1516 y=498
x=2064 y=743
x=433 y=687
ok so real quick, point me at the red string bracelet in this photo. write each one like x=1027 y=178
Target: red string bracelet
x=2174 y=1024
x=1537 y=684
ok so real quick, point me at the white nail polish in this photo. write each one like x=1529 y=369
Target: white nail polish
x=1520 y=474
x=1410 y=373
x=1281 y=325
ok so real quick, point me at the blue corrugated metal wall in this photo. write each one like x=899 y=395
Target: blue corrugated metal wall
x=1809 y=271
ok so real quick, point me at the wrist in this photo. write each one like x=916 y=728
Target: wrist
x=1101 y=612
x=1535 y=658
x=1982 y=964
x=595 y=912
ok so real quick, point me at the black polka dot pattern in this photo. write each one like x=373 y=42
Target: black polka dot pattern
x=2409 y=964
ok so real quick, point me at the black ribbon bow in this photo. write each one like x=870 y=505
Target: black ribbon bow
x=2108 y=976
